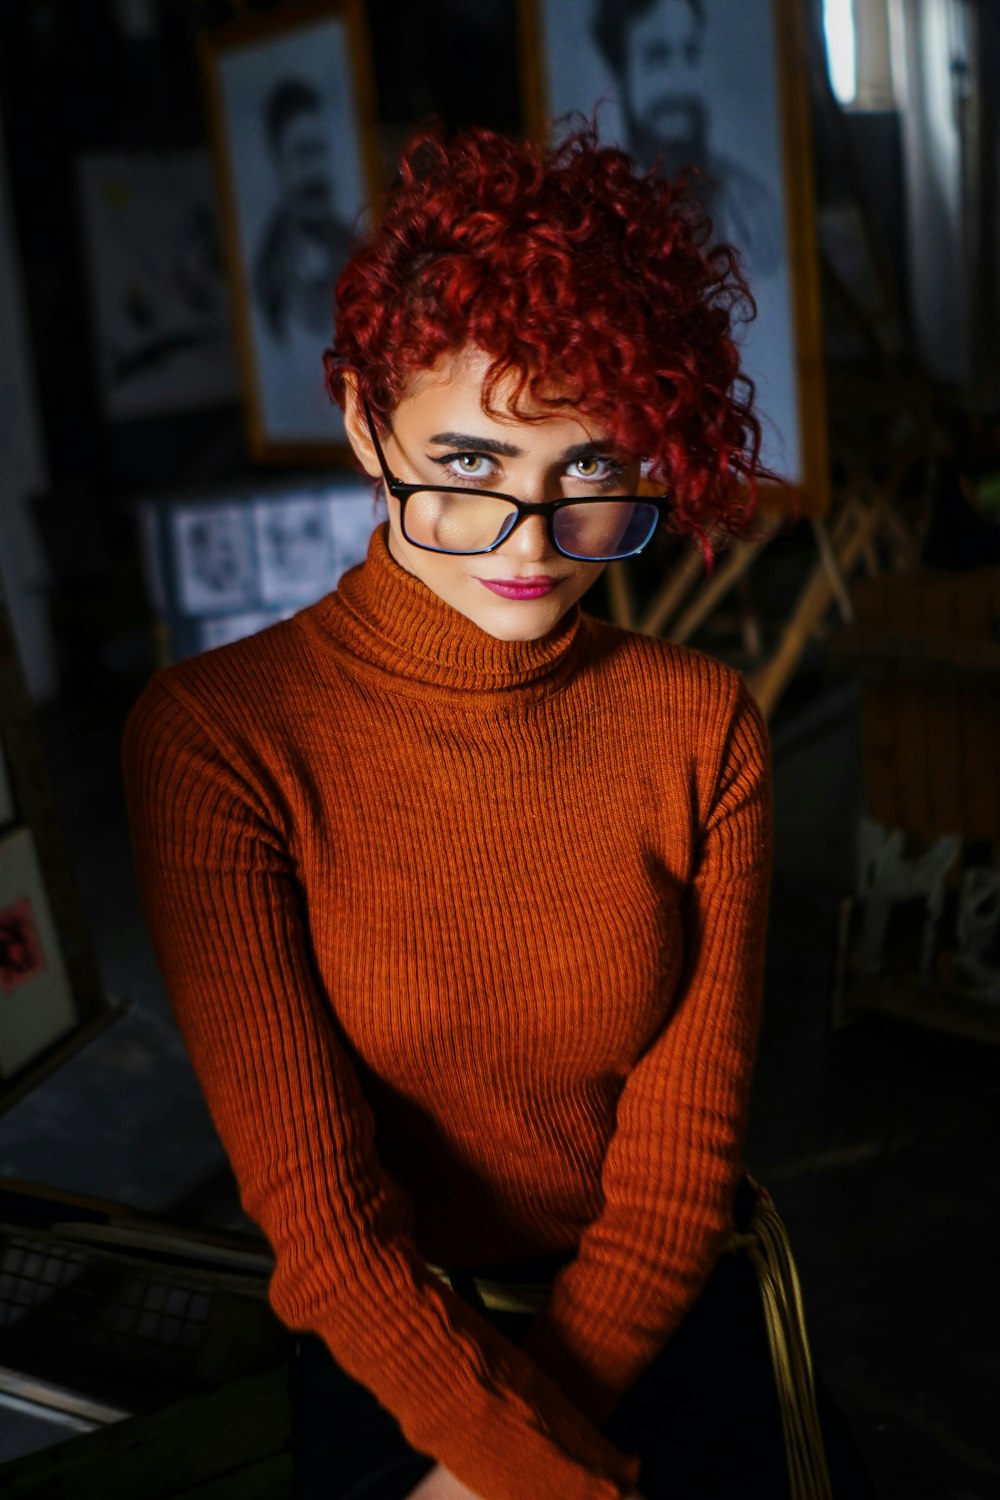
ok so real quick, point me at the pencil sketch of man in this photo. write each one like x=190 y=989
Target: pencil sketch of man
x=305 y=243
x=655 y=49
x=217 y=557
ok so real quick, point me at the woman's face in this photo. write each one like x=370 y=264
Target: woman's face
x=441 y=434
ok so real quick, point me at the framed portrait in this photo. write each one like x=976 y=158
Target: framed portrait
x=159 y=303
x=52 y=997
x=36 y=1002
x=215 y=561
x=291 y=111
x=718 y=86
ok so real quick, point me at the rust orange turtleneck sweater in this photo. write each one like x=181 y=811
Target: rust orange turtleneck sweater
x=465 y=940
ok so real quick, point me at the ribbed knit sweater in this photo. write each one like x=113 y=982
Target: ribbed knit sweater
x=465 y=940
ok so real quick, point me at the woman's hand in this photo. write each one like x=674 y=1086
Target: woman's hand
x=441 y=1484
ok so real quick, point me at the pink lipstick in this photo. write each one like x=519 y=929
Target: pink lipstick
x=519 y=588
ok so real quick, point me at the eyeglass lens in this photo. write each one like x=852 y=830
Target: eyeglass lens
x=468 y=523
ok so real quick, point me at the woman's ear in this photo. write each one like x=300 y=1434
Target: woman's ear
x=356 y=427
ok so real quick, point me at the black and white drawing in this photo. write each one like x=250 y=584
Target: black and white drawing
x=658 y=53
x=695 y=85
x=305 y=242
x=292 y=157
x=215 y=558
x=160 y=306
x=294 y=547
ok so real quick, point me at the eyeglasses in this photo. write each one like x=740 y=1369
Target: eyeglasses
x=448 y=518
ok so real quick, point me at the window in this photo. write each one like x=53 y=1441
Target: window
x=841 y=49
x=857 y=51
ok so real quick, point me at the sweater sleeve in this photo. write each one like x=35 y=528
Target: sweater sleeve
x=224 y=913
x=673 y=1163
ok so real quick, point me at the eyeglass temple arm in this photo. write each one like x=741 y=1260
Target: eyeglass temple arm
x=387 y=474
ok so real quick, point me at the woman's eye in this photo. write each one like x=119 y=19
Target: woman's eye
x=591 y=466
x=468 y=465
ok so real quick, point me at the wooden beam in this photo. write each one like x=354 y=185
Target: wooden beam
x=852 y=533
x=620 y=595
x=678 y=583
x=828 y=558
x=737 y=561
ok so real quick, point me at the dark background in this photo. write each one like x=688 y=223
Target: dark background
x=879 y=1140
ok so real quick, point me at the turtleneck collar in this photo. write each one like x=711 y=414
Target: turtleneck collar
x=390 y=619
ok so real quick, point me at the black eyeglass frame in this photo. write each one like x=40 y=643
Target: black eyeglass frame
x=548 y=509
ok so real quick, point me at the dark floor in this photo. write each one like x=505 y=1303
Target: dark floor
x=879 y=1141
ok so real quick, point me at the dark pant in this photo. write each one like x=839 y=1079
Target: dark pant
x=703 y=1418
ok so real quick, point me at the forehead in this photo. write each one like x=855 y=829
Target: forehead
x=450 y=396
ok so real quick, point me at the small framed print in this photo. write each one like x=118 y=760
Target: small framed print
x=214 y=548
x=294 y=549
x=20 y=946
x=291 y=110
x=36 y=1002
x=52 y=997
x=719 y=86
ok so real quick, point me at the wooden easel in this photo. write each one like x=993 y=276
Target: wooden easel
x=865 y=511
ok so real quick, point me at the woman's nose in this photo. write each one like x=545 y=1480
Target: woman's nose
x=529 y=541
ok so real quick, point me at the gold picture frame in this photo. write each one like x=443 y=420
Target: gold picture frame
x=569 y=65
x=291 y=109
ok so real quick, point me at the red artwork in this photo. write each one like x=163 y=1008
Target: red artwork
x=20 y=950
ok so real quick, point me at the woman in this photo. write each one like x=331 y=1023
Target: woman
x=459 y=895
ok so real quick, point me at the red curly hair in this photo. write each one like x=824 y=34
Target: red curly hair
x=595 y=287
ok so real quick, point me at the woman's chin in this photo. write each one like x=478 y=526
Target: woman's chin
x=516 y=621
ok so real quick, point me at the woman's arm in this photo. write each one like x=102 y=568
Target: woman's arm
x=225 y=916
x=672 y=1166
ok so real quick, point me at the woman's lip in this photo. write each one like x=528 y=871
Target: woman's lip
x=519 y=588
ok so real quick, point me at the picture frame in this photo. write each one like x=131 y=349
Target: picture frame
x=653 y=77
x=290 y=103
x=159 y=304
x=52 y=997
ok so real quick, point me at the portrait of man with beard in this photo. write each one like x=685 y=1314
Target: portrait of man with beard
x=305 y=242
x=655 y=49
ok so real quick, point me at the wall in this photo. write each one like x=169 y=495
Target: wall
x=23 y=572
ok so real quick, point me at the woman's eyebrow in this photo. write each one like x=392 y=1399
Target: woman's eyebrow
x=593 y=449
x=469 y=442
